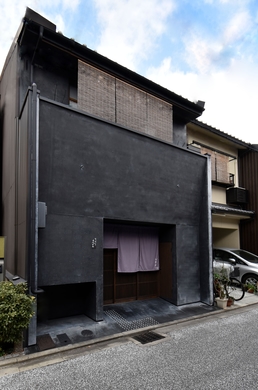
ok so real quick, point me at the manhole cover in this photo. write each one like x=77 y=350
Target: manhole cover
x=86 y=333
x=148 y=337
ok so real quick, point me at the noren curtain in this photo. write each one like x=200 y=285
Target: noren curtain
x=138 y=247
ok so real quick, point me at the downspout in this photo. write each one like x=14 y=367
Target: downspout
x=206 y=271
x=35 y=188
x=33 y=156
x=210 y=273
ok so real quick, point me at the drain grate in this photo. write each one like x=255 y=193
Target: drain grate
x=148 y=337
x=130 y=325
x=63 y=339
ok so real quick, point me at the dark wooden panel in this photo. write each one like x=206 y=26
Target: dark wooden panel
x=165 y=257
x=148 y=284
x=125 y=287
x=122 y=287
x=108 y=275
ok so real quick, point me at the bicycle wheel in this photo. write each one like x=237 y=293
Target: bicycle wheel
x=235 y=289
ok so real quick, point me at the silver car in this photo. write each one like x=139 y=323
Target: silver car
x=246 y=262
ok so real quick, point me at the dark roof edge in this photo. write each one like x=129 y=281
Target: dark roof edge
x=231 y=210
x=49 y=34
x=35 y=17
x=225 y=135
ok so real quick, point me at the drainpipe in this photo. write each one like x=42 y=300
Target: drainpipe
x=34 y=188
x=32 y=215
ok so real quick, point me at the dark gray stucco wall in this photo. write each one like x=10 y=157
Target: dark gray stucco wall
x=91 y=170
x=179 y=132
x=53 y=84
x=187 y=266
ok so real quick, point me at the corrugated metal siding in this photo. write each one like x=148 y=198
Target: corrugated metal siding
x=248 y=178
x=111 y=99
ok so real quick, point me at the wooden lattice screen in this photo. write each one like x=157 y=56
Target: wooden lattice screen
x=96 y=92
x=111 y=99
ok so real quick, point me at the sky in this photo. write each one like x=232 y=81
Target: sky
x=200 y=49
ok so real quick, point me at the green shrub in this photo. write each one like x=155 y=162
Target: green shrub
x=16 y=310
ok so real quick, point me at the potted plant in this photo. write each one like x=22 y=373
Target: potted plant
x=219 y=281
x=222 y=300
x=230 y=301
x=251 y=288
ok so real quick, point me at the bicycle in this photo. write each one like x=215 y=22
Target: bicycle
x=235 y=289
x=228 y=286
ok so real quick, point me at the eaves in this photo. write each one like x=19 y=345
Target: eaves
x=224 y=209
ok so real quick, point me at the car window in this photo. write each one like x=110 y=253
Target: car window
x=246 y=255
x=240 y=261
x=220 y=255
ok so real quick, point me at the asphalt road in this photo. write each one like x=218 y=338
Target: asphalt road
x=219 y=352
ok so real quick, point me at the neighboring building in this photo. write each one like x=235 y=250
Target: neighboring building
x=231 y=207
x=97 y=181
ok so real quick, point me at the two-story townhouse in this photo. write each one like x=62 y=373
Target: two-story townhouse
x=101 y=203
x=231 y=208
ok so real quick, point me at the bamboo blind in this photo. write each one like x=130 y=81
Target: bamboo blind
x=222 y=168
x=219 y=165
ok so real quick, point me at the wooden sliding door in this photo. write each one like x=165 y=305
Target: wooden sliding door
x=122 y=287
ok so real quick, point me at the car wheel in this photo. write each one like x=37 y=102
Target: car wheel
x=250 y=279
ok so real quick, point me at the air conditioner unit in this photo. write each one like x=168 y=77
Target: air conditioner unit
x=236 y=195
